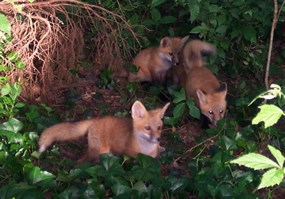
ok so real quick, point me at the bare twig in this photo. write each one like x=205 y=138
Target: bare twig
x=192 y=148
x=274 y=22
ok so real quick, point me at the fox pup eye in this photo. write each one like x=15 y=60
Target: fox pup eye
x=211 y=112
x=221 y=110
x=159 y=128
x=171 y=53
x=148 y=128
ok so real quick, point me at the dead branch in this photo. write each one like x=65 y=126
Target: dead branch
x=274 y=23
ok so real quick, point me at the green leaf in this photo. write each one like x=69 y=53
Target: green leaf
x=249 y=33
x=20 y=64
x=155 y=3
x=179 y=96
x=12 y=56
x=120 y=189
x=271 y=177
x=140 y=187
x=6 y=89
x=5 y=25
x=39 y=177
x=155 y=14
x=199 y=30
x=194 y=10
x=178 y=110
x=277 y=155
x=11 y=136
x=12 y=125
x=194 y=111
x=167 y=19
x=255 y=161
x=222 y=19
x=269 y=114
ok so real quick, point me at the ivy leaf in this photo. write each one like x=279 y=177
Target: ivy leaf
x=194 y=111
x=179 y=96
x=5 y=25
x=194 y=10
x=249 y=33
x=179 y=110
x=271 y=177
x=155 y=14
x=12 y=125
x=269 y=114
x=155 y=3
x=277 y=155
x=43 y=178
x=255 y=161
x=168 y=19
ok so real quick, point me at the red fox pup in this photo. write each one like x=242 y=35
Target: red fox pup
x=153 y=63
x=122 y=136
x=201 y=84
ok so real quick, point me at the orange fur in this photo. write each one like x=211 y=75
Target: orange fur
x=201 y=84
x=154 y=62
x=111 y=134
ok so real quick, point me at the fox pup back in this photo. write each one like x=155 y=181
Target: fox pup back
x=201 y=84
x=122 y=136
x=153 y=63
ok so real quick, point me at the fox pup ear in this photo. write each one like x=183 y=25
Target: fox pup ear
x=163 y=110
x=165 y=42
x=183 y=40
x=138 y=110
x=201 y=96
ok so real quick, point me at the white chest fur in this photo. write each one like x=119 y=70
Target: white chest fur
x=147 y=147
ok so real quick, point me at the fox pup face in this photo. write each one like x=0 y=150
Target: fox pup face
x=213 y=106
x=171 y=47
x=148 y=124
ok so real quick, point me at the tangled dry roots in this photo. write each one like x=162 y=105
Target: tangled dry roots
x=49 y=37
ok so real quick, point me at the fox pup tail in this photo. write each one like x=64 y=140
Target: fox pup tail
x=193 y=52
x=63 y=132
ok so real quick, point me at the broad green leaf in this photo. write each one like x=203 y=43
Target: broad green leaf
x=11 y=136
x=194 y=111
x=37 y=176
x=213 y=8
x=155 y=3
x=120 y=189
x=277 y=155
x=222 y=19
x=12 y=125
x=167 y=19
x=194 y=9
x=140 y=187
x=155 y=14
x=271 y=177
x=171 y=121
x=12 y=56
x=249 y=33
x=5 y=25
x=4 y=68
x=178 y=110
x=255 y=161
x=179 y=96
x=20 y=64
x=6 y=89
x=229 y=143
x=199 y=29
x=269 y=114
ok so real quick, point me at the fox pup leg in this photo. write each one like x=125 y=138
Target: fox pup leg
x=93 y=151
